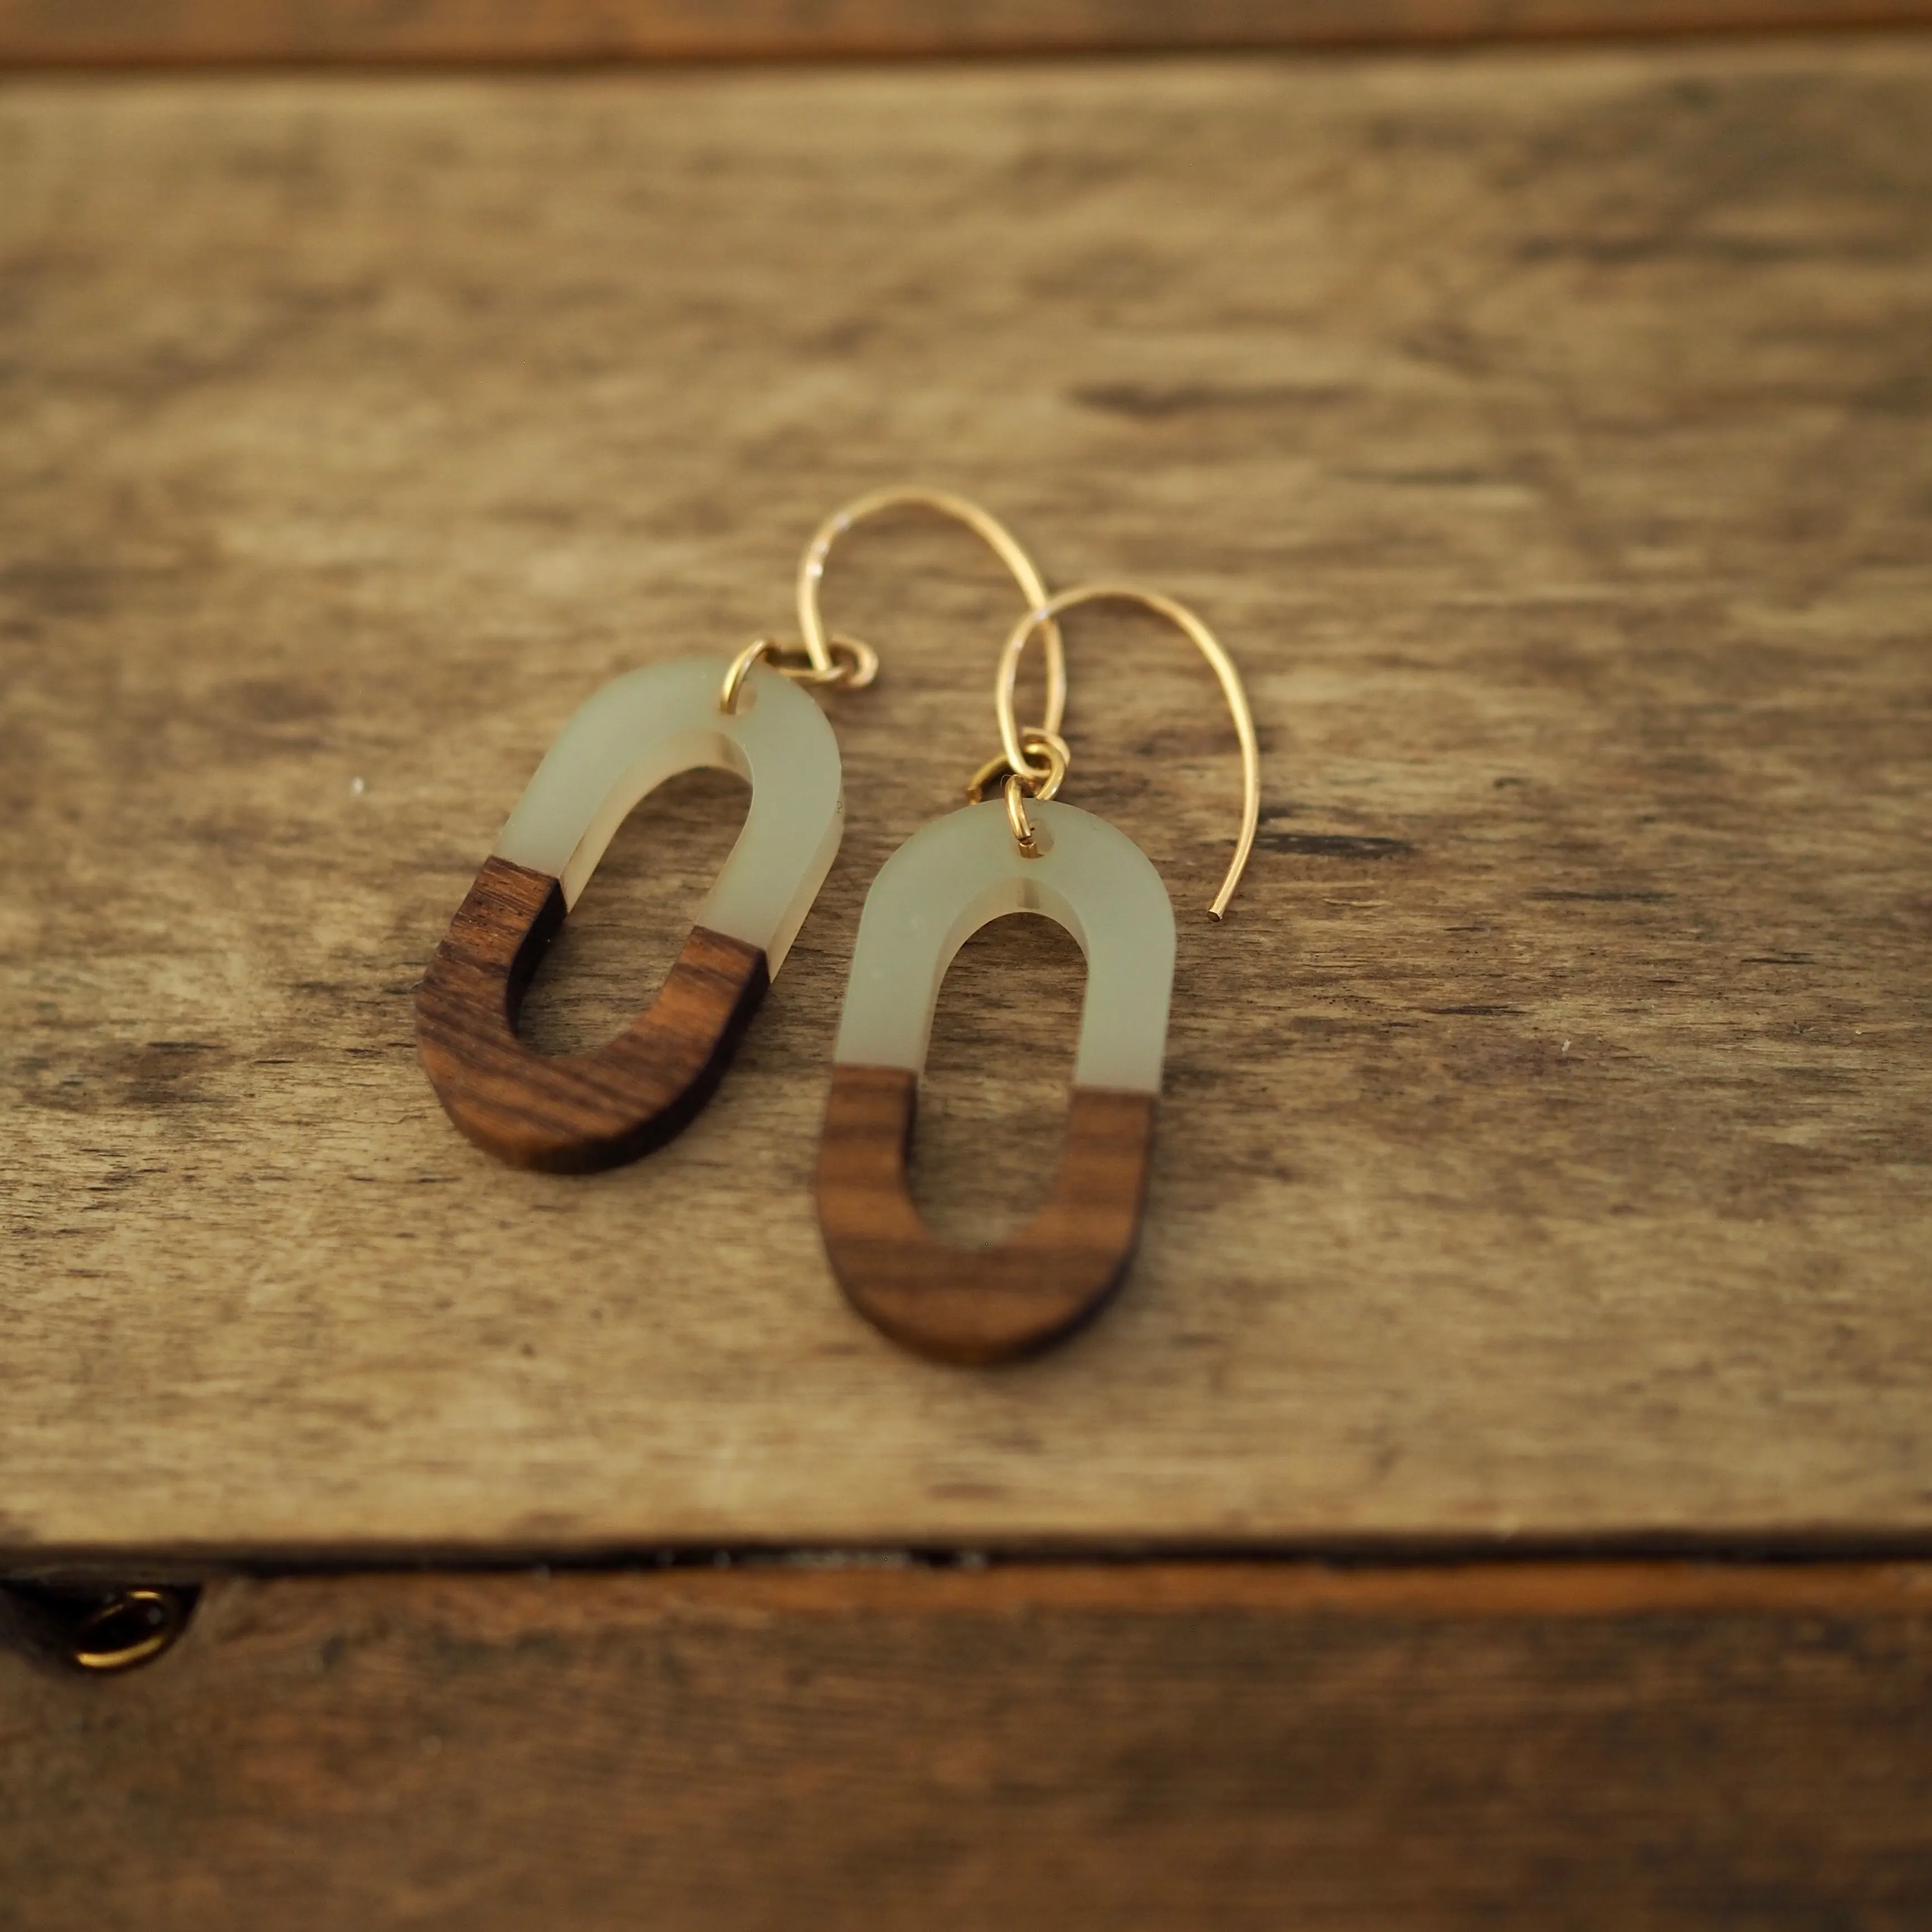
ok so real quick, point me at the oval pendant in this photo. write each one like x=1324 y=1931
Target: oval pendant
x=994 y=1304
x=579 y=1111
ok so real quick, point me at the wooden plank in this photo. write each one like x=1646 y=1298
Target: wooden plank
x=1042 y=1747
x=122 y=31
x=1545 y=1143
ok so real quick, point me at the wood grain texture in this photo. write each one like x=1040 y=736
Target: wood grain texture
x=576 y=1113
x=1545 y=1148
x=1238 y=1747
x=82 y=31
x=987 y=1303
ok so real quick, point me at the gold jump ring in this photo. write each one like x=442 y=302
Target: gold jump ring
x=854 y=665
x=1014 y=791
x=1034 y=738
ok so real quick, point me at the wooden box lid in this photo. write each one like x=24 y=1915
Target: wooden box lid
x=1544 y=1147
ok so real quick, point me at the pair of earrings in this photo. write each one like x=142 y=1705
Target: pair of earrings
x=1022 y=850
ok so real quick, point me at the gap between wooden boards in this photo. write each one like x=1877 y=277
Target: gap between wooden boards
x=807 y=1580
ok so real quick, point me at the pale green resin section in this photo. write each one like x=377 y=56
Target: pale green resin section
x=947 y=881
x=648 y=726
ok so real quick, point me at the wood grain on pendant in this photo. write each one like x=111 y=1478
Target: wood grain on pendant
x=579 y=1112
x=976 y=1306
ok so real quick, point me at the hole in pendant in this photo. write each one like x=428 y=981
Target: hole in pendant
x=607 y=963
x=992 y=1108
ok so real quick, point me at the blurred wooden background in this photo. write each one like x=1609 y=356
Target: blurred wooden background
x=83 y=31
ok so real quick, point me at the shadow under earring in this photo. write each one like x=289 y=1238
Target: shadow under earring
x=1023 y=852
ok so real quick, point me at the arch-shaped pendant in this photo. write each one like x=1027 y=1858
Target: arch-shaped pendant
x=992 y=1304
x=574 y=1113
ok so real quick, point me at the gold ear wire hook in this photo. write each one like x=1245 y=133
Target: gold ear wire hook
x=1007 y=679
x=995 y=534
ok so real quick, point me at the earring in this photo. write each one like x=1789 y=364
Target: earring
x=579 y=1112
x=1022 y=853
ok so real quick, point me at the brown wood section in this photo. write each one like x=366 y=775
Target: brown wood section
x=1157 y=1750
x=1545 y=1148
x=995 y=1302
x=571 y=1113
x=83 y=31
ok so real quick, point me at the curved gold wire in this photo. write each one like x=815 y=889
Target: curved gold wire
x=1007 y=679
x=741 y=669
x=997 y=538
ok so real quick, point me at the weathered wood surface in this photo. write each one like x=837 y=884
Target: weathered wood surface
x=1544 y=1149
x=1044 y=1749
x=89 y=31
